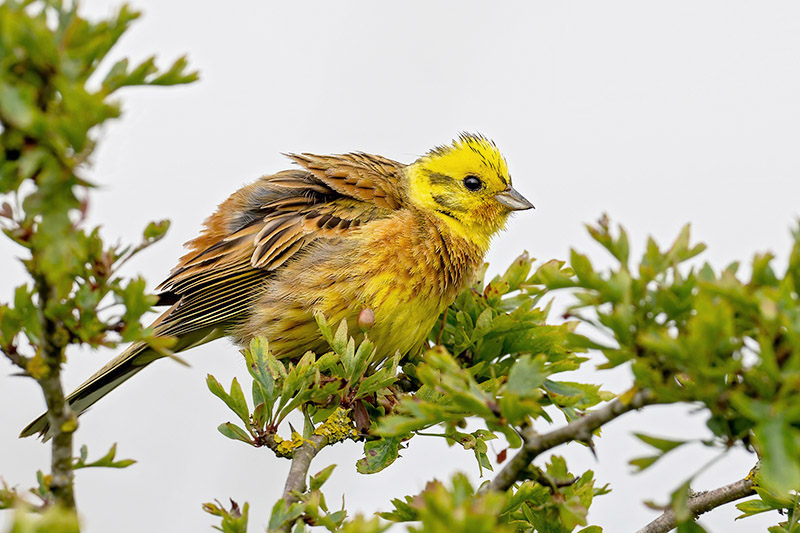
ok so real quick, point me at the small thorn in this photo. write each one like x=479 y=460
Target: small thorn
x=590 y=444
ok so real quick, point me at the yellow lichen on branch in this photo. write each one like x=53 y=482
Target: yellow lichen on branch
x=285 y=448
x=337 y=427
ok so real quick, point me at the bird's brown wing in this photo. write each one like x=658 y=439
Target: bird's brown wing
x=263 y=225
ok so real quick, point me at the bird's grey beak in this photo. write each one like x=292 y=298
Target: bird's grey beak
x=513 y=200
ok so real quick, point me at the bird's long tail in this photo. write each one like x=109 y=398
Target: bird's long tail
x=115 y=372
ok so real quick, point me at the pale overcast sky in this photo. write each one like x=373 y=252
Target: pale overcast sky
x=658 y=113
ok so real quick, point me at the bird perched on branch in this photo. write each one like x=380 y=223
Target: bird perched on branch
x=339 y=235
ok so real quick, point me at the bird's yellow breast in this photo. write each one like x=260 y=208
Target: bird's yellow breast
x=406 y=268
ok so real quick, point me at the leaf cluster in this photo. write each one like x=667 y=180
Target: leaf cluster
x=693 y=334
x=54 y=95
x=526 y=507
x=309 y=511
x=332 y=391
x=48 y=119
x=497 y=361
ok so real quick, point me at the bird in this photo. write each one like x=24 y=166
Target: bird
x=339 y=235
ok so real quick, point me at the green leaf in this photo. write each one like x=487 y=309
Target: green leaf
x=378 y=454
x=772 y=499
x=363 y=357
x=233 y=521
x=232 y=431
x=582 y=266
x=176 y=74
x=641 y=463
x=680 y=502
x=321 y=477
x=525 y=376
x=563 y=394
x=381 y=379
x=257 y=364
x=216 y=388
x=238 y=403
x=107 y=461
x=284 y=515
x=361 y=524
x=752 y=507
x=155 y=231
x=17 y=105
x=517 y=272
x=482 y=324
x=324 y=328
x=340 y=340
x=348 y=355
x=664 y=445
x=235 y=400
x=690 y=527
x=778 y=443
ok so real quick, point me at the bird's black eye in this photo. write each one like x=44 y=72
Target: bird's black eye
x=473 y=183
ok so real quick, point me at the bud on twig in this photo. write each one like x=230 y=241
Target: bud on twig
x=366 y=319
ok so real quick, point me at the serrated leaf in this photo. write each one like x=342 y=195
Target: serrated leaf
x=107 y=461
x=562 y=393
x=525 y=376
x=216 y=388
x=517 y=271
x=155 y=231
x=378 y=454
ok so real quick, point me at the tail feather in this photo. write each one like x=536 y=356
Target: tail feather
x=115 y=372
x=101 y=383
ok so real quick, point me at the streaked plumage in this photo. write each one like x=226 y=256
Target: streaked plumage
x=343 y=233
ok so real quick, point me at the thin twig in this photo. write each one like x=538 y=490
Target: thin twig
x=15 y=357
x=702 y=503
x=580 y=430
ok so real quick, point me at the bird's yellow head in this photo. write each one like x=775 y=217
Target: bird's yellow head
x=467 y=185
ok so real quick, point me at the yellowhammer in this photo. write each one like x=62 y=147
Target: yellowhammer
x=343 y=234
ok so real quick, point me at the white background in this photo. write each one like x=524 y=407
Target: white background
x=657 y=113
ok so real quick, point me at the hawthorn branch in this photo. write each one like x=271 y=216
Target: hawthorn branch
x=301 y=461
x=580 y=430
x=703 y=502
x=298 y=472
x=59 y=415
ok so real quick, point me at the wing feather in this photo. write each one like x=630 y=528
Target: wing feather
x=365 y=177
x=263 y=225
